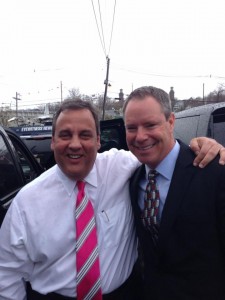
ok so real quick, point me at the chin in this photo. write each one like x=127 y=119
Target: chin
x=72 y=174
x=144 y=159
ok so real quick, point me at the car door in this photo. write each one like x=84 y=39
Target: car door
x=17 y=167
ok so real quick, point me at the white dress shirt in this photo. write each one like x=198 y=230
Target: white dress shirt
x=37 y=237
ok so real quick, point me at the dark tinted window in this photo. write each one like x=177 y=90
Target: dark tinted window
x=9 y=180
x=109 y=138
x=219 y=128
x=25 y=163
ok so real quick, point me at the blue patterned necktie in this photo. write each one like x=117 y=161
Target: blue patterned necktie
x=151 y=206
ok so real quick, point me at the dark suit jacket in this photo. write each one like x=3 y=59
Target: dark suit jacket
x=189 y=261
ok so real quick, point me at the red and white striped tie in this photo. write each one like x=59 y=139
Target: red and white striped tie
x=87 y=259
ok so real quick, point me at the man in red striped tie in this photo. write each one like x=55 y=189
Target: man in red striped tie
x=69 y=234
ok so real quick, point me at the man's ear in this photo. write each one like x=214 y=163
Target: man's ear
x=171 y=120
x=52 y=143
x=98 y=142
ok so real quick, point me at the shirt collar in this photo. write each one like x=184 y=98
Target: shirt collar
x=70 y=184
x=91 y=178
x=167 y=165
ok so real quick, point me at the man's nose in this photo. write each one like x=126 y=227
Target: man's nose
x=75 y=142
x=141 y=134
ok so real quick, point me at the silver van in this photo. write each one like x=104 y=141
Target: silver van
x=207 y=120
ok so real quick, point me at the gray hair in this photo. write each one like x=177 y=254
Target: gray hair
x=160 y=96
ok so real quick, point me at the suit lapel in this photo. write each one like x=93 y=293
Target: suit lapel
x=182 y=175
x=139 y=173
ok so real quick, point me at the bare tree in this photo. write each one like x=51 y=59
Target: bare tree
x=74 y=94
x=217 y=95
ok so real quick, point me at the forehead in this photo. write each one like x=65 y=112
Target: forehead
x=76 y=117
x=139 y=107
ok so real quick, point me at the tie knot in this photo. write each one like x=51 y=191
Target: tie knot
x=152 y=174
x=80 y=186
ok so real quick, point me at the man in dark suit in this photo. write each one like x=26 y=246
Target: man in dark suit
x=182 y=242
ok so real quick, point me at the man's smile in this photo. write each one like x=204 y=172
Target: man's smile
x=145 y=147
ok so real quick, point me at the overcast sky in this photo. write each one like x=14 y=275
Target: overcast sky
x=163 y=43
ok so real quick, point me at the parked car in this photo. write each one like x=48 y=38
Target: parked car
x=113 y=134
x=17 y=167
x=207 y=120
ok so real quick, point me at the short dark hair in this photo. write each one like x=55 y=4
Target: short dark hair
x=77 y=105
x=160 y=96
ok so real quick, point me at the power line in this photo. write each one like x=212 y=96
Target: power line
x=24 y=106
x=112 y=27
x=100 y=15
x=101 y=34
x=171 y=75
x=103 y=48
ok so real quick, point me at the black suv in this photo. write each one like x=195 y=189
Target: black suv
x=17 y=167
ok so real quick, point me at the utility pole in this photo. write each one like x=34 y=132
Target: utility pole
x=17 y=98
x=106 y=87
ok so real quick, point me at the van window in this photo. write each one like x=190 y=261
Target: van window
x=218 y=132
